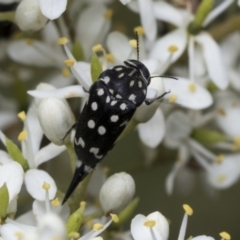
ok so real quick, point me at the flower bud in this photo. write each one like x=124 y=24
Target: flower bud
x=29 y=17
x=56 y=118
x=117 y=192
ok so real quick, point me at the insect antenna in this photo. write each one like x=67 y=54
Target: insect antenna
x=137 y=39
x=165 y=76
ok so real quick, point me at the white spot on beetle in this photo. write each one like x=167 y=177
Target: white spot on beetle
x=100 y=92
x=106 y=79
x=94 y=106
x=121 y=75
x=111 y=91
x=80 y=142
x=91 y=124
x=107 y=99
x=101 y=130
x=114 y=118
x=139 y=84
x=79 y=164
x=118 y=68
x=131 y=83
x=118 y=96
x=95 y=152
x=123 y=106
x=113 y=103
x=132 y=97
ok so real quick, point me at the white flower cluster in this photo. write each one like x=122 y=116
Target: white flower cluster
x=198 y=117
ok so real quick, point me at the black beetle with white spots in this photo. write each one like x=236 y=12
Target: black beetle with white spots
x=113 y=100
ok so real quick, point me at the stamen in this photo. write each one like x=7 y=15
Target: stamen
x=29 y=41
x=187 y=209
x=192 y=87
x=97 y=48
x=140 y=30
x=225 y=235
x=150 y=223
x=74 y=235
x=221 y=112
x=22 y=115
x=173 y=98
x=219 y=158
x=133 y=43
x=22 y=136
x=114 y=217
x=66 y=72
x=108 y=14
x=55 y=202
x=62 y=41
x=69 y=62
x=110 y=58
x=46 y=186
x=83 y=204
x=97 y=227
x=173 y=48
x=19 y=235
x=221 y=178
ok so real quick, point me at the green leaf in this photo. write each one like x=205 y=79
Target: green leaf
x=4 y=200
x=203 y=10
x=75 y=220
x=125 y=214
x=208 y=136
x=16 y=154
x=77 y=51
x=96 y=67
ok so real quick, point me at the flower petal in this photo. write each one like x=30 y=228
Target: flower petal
x=34 y=180
x=214 y=60
x=48 y=152
x=152 y=132
x=52 y=9
x=187 y=94
x=12 y=173
x=160 y=50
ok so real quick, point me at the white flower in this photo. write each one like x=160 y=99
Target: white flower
x=29 y=17
x=153 y=226
x=56 y=118
x=117 y=192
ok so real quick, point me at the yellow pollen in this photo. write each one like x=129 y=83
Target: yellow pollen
x=29 y=41
x=140 y=30
x=187 y=209
x=83 y=204
x=69 y=62
x=105 y=170
x=97 y=227
x=172 y=48
x=55 y=202
x=46 y=186
x=237 y=140
x=192 y=87
x=172 y=98
x=62 y=41
x=219 y=158
x=133 y=43
x=22 y=136
x=221 y=112
x=22 y=115
x=18 y=235
x=225 y=235
x=110 y=58
x=108 y=14
x=150 y=223
x=74 y=235
x=221 y=178
x=114 y=217
x=65 y=72
x=97 y=48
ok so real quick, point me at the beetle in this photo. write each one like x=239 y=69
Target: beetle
x=113 y=100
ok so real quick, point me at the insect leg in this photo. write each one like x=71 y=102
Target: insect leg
x=150 y=101
x=72 y=127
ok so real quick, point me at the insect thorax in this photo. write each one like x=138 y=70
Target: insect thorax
x=125 y=83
